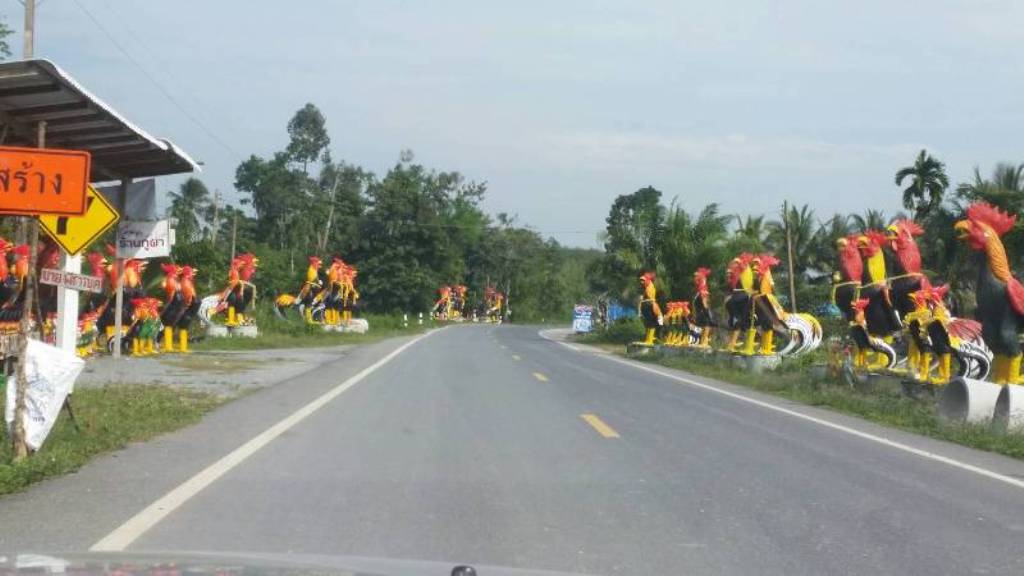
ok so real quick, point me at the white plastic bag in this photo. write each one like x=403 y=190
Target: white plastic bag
x=51 y=374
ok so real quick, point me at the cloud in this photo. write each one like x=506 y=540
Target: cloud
x=734 y=150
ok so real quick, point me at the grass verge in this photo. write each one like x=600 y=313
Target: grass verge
x=110 y=418
x=884 y=405
x=293 y=332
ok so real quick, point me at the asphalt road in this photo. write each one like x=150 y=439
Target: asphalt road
x=493 y=445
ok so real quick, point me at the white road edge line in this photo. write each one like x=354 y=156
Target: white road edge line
x=839 y=427
x=136 y=526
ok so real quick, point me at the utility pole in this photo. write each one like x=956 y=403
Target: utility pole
x=234 y=234
x=330 y=216
x=28 y=229
x=28 y=49
x=789 y=258
x=216 y=214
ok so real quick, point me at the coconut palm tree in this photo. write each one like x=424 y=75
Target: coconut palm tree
x=188 y=205
x=801 y=231
x=870 y=220
x=1004 y=189
x=928 y=184
x=690 y=242
x=822 y=253
x=752 y=229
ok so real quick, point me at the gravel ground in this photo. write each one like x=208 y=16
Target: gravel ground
x=227 y=373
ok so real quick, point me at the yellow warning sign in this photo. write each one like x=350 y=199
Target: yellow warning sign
x=76 y=233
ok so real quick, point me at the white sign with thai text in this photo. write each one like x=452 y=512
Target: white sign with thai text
x=136 y=239
x=70 y=280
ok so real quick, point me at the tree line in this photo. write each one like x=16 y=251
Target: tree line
x=644 y=233
x=408 y=232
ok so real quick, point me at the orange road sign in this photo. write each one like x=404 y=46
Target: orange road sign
x=35 y=181
x=76 y=233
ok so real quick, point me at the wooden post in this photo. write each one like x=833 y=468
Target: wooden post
x=216 y=216
x=330 y=216
x=234 y=234
x=789 y=258
x=20 y=444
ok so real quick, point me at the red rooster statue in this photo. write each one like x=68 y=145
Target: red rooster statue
x=1000 y=296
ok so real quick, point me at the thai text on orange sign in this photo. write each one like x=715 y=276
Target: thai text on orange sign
x=35 y=181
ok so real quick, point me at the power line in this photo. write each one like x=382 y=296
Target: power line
x=166 y=93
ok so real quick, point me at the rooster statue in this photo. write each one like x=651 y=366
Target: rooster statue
x=951 y=337
x=915 y=326
x=650 y=312
x=740 y=280
x=459 y=301
x=771 y=318
x=846 y=288
x=493 y=305
x=443 y=305
x=865 y=342
x=702 y=313
x=173 y=301
x=881 y=317
x=335 y=292
x=909 y=276
x=1000 y=296
x=908 y=273
x=236 y=297
x=351 y=295
x=309 y=297
x=189 y=306
x=10 y=288
x=677 y=325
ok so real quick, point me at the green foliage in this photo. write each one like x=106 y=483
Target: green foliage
x=633 y=237
x=5 y=47
x=928 y=184
x=688 y=243
x=622 y=331
x=187 y=206
x=408 y=233
x=308 y=133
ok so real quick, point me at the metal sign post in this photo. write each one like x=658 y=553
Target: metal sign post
x=67 y=307
x=122 y=201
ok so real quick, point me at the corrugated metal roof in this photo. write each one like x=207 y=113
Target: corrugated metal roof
x=34 y=90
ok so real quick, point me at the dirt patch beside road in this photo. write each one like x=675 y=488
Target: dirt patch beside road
x=225 y=373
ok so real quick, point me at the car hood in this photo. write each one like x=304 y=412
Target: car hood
x=235 y=564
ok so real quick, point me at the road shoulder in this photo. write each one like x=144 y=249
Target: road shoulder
x=1003 y=469
x=74 y=511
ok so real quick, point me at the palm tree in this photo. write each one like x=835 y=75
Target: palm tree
x=752 y=229
x=801 y=230
x=1005 y=189
x=822 y=253
x=689 y=243
x=928 y=184
x=188 y=206
x=870 y=220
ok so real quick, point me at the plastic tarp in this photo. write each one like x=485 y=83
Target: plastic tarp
x=51 y=376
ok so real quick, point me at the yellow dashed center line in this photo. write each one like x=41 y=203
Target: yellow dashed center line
x=540 y=377
x=599 y=425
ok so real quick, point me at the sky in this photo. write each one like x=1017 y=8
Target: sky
x=562 y=106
